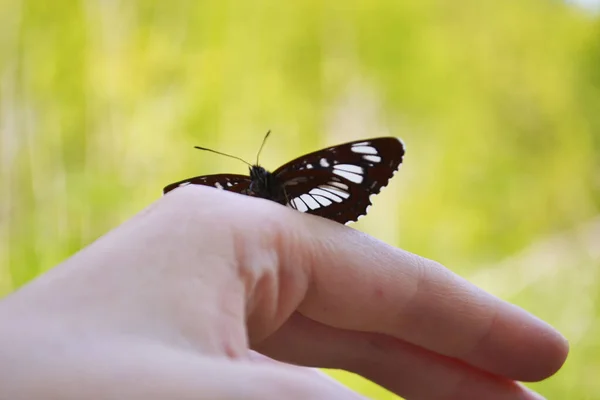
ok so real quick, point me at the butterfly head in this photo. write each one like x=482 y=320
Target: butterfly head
x=258 y=173
x=265 y=185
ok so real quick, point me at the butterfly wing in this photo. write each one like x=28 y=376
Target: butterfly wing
x=336 y=183
x=231 y=182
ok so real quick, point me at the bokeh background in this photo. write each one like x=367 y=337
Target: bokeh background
x=498 y=103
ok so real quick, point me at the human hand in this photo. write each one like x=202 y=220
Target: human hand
x=168 y=305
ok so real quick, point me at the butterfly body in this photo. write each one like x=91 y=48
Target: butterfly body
x=335 y=183
x=265 y=185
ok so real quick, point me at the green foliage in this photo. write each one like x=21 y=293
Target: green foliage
x=497 y=102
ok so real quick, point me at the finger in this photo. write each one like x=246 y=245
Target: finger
x=405 y=369
x=362 y=284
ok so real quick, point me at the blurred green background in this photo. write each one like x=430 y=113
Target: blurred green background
x=497 y=102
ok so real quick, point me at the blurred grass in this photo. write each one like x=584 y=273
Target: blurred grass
x=497 y=102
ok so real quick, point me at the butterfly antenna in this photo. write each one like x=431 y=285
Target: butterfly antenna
x=223 y=154
x=262 y=145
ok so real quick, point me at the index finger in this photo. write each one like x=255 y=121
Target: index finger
x=360 y=283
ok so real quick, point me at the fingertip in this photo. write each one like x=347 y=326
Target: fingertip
x=545 y=348
x=521 y=346
x=553 y=348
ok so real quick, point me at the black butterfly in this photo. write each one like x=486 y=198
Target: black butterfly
x=334 y=183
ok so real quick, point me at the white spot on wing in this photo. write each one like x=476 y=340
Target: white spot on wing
x=228 y=184
x=299 y=204
x=334 y=192
x=324 y=162
x=324 y=201
x=184 y=184
x=351 y=172
x=371 y=158
x=340 y=185
x=329 y=195
x=310 y=202
x=364 y=149
x=218 y=185
x=309 y=166
x=350 y=168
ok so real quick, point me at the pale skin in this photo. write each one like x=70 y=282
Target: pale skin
x=173 y=303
